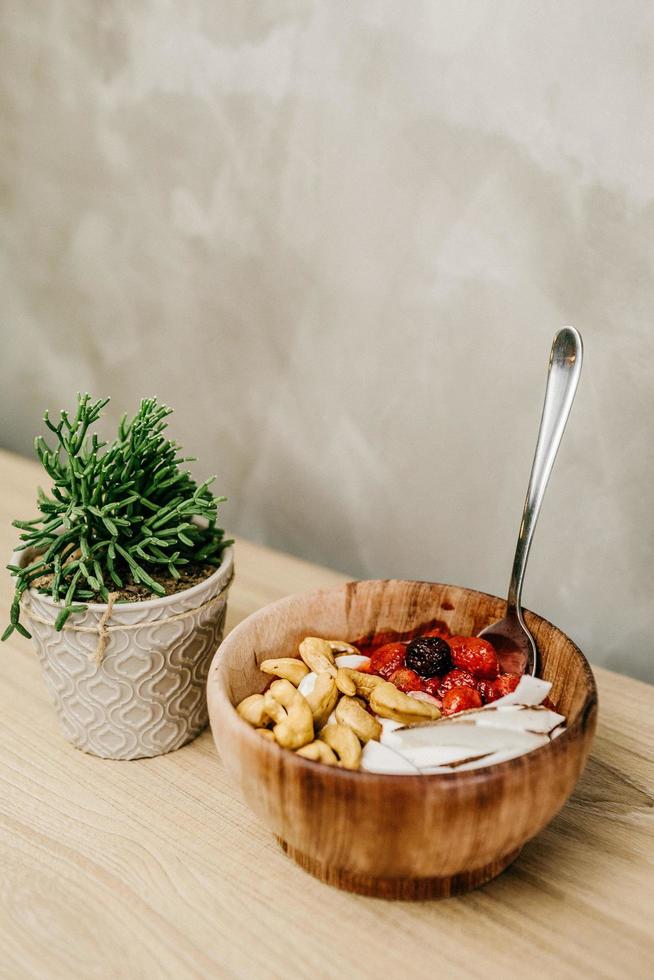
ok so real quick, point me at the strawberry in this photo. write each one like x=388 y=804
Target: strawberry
x=492 y=690
x=505 y=684
x=432 y=685
x=457 y=678
x=487 y=691
x=384 y=660
x=474 y=655
x=460 y=699
x=407 y=680
x=442 y=630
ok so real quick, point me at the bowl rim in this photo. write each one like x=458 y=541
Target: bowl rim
x=498 y=770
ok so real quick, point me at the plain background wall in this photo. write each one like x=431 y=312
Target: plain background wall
x=338 y=238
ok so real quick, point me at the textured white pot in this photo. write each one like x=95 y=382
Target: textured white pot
x=147 y=695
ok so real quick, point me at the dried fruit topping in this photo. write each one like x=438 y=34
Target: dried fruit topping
x=460 y=699
x=406 y=680
x=433 y=685
x=457 y=678
x=506 y=683
x=384 y=660
x=475 y=655
x=442 y=630
x=429 y=655
x=487 y=691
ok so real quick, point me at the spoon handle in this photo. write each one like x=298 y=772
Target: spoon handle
x=562 y=380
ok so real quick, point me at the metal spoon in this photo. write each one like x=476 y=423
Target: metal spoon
x=516 y=648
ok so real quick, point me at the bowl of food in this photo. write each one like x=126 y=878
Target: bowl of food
x=380 y=744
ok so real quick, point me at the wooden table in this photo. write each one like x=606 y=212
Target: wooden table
x=156 y=868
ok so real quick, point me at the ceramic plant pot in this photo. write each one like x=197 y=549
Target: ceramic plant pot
x=143 y=692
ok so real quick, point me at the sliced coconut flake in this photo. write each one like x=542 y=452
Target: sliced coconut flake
x=380 y=758
x=520 y=717
x=424 y=746
x=529 y=692
x=488 y=760
x=355 y=661
x=436 y=756
x=307 y=684
x=388 y=726
x=526 y=719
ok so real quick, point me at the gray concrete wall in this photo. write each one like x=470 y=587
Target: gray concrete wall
x=338 y=238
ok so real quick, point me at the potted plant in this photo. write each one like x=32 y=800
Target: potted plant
x=123 y=580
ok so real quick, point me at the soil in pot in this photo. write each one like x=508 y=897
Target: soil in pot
x=132 y=591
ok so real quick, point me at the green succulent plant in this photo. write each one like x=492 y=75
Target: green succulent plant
x=116 y=512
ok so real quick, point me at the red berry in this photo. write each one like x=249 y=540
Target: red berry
x=432 y=685
x=384 y=660
x=505 y=684
x=406 y=680
x=441 y=630
x=492 y=690
x=457 y=678
x=475 y=655
x=460 y=699
x=487 y=691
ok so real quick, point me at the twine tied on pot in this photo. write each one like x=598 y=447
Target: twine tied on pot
x=103 y=629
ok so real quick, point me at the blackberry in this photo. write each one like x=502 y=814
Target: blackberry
x=429 y=655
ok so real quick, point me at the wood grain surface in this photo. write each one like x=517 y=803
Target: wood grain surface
x=157 y=868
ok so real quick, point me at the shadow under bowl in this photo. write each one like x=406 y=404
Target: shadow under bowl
x=406 y=837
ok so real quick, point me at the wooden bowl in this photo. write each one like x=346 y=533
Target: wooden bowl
x=396 y=836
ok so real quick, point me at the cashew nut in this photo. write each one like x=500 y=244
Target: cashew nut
x=389 y=702
x=350 y=712
x=318 y=751
x=340 y=646
x=345 y=683
x=273 y=708
x=253 y=710
x=290 y=668
x=345 y=744
x=295 y=729
x=322 y=699
x=364 y=684
x=317 y=655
